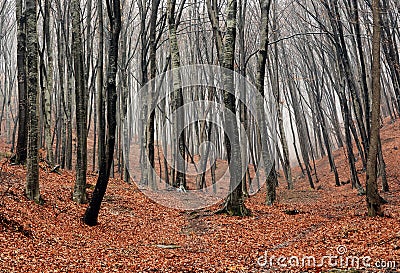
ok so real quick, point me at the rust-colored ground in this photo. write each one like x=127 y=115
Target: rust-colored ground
x=137 y=235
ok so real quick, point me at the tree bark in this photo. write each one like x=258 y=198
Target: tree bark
x=234 y=204
x=101 y=118
x=260 y=82
x=372 y=195
x=180 y=179
x=79 y=194
x=32 y=176
x=48 y=85
x=92 y=212
x=152 y=93
x=21 y=151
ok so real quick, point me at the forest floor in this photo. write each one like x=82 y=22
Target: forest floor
x=135 y=234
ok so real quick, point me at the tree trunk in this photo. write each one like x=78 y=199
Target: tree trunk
x=48 y=85
x=92 y=212
x=21 y=152
x=32 y=176
x=363 y=73
x=101 y=118
x=180 y=179
x=372 y=194
x=152 y=92
x=260 y=82
x=235 y=201
x=79 y=194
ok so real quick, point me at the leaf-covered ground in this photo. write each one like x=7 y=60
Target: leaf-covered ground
x=137 y=235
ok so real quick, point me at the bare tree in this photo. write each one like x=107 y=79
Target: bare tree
x=260 y=83
x=173 y=21
x=21 y=152
x=48 y=84
x=32 y=177
x=234 y=204
x=114 y=15
x=81 y=96
x=373 y=199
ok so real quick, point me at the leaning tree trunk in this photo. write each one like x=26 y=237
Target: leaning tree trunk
x=300 y=122
x=372 y=195
x=274 y=73
x=32 y=176
x=20 y=157
x=363 y=73
x=92 y=212
x=79 y=195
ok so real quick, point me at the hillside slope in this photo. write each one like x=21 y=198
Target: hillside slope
x=137 y=235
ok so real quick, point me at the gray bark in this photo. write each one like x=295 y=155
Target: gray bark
x=234 y=204
x=79 y=194
x=32 y=176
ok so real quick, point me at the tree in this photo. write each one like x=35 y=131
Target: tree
x=180 y=179
x=92 y=212
x=372 y=196
x=234 y=204
x=260 y=82
x=101 y=115
x=21 y=152
x=48 y=85
x=81 y=96
x=32 y=177
x=274 y=74
x=151 y=96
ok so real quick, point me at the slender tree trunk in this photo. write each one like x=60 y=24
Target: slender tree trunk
x=372 y=195
x=48 y=85
x=79 y=195
x=152 y=92
x=68 y=113
x=300 y=124
x=101 y=118
x=61 y=92
x=21 y=152
x=143 y=11
x=349 y=145
x=212 y=9
x=260 y=82
x=92 y=212
x=363 y=73
x=382 y=169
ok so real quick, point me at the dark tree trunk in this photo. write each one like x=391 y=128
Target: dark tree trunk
x=101 y=114
x=92 y=212
x=363 y=73
x=21 y=152
x=372 y=195
x=152 y=92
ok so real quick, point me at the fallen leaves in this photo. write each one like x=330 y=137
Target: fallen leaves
x=137 y=235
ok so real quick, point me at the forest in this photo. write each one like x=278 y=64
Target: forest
x=199 y=136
